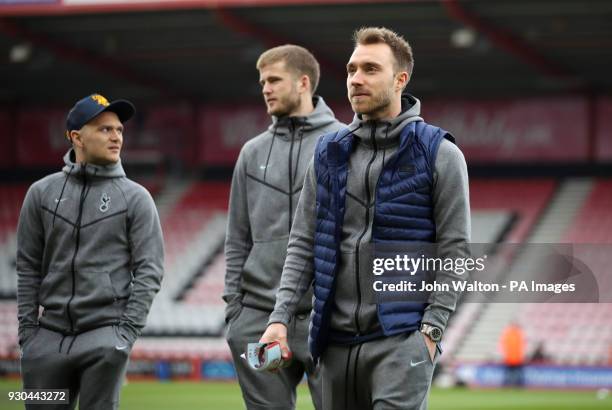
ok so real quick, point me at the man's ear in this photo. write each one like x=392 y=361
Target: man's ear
x=304 y=84
x=76 y=139
x=401 y=80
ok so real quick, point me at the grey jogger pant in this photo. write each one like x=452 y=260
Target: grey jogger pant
x=91 y=365
x=272 y=391
x=391 y=373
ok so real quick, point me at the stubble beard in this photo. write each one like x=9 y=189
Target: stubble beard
x=287 y=104
x=378 y=103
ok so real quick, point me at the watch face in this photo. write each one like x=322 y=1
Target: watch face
x=435 y=334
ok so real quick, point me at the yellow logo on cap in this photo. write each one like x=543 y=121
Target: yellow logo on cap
x=100 y=100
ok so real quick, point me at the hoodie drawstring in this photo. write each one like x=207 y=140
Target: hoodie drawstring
x=349 y=133
x=61 y=343
x=384 y=150
x=290 y=174
x=61 y=195
x=297 y=161
x=84 y=192
x=83 y=196
x=70 y=345
x=269 y=153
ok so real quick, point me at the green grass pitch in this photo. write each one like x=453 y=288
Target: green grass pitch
x=226 y=396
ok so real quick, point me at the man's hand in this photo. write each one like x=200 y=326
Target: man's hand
x=431 y=346
x=277 y=332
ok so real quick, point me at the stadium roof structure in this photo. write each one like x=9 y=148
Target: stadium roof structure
x=53 y=51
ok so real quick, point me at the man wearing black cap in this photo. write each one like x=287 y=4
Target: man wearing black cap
x=90 y=252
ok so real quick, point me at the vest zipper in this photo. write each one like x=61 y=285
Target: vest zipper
x=365 y=229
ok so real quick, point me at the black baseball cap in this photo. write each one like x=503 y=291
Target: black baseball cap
x=93 y=105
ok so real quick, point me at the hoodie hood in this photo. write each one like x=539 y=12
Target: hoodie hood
x=322 y=116
x=386 y=132
x=100 y=171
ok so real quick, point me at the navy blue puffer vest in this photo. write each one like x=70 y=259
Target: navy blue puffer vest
x=403 y=213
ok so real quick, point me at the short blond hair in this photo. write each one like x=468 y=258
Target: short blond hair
x=297 y=60
x=399 y=46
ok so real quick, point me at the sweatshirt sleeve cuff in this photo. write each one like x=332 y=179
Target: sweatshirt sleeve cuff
x=231 y=297
x=25 y=333
x=279 y=317
x=436 y=317
x=129 y=332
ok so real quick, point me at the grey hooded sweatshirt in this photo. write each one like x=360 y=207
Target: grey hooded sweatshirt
x=89 y=251
x=376 y=142
x=266 y=185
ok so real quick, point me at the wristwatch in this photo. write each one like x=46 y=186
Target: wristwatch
x=434 y=333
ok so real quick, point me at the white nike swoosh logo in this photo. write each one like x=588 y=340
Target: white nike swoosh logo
x=60 y=200
x=121 y=347
x=413 y=364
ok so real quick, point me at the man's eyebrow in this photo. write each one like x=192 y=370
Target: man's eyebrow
x=372 y=64
x=364 y=64
x=272 y=77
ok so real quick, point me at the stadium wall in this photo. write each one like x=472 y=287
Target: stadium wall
x=501 y=131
